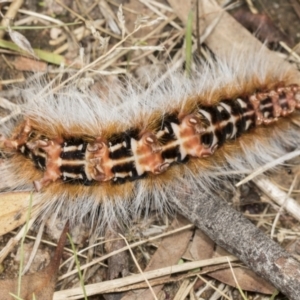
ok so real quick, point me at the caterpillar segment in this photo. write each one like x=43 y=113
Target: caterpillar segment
x=132 y=155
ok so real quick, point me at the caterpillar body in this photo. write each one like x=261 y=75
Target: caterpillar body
x=130 y=148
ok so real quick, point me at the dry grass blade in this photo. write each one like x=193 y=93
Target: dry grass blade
x=278 y=196
x=269 y=166
x=104 y=257
x=98 y=288
x=10 y=15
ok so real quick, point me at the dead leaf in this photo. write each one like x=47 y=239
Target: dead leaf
x=247 y=279
x=168 y=253
x=118 y=263
x=294 y=247
x=22 y=63
x=21 y=41
x=40 y=284
x=41 y=258
x=202 y=248
x=13 y=211
x=220 y=40
x=262 y=26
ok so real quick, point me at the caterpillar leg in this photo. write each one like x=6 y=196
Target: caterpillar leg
x=18 y=139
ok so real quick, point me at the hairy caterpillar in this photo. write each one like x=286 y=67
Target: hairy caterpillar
x=128 y=149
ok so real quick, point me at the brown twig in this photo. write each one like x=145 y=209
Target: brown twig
x=233 y=232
